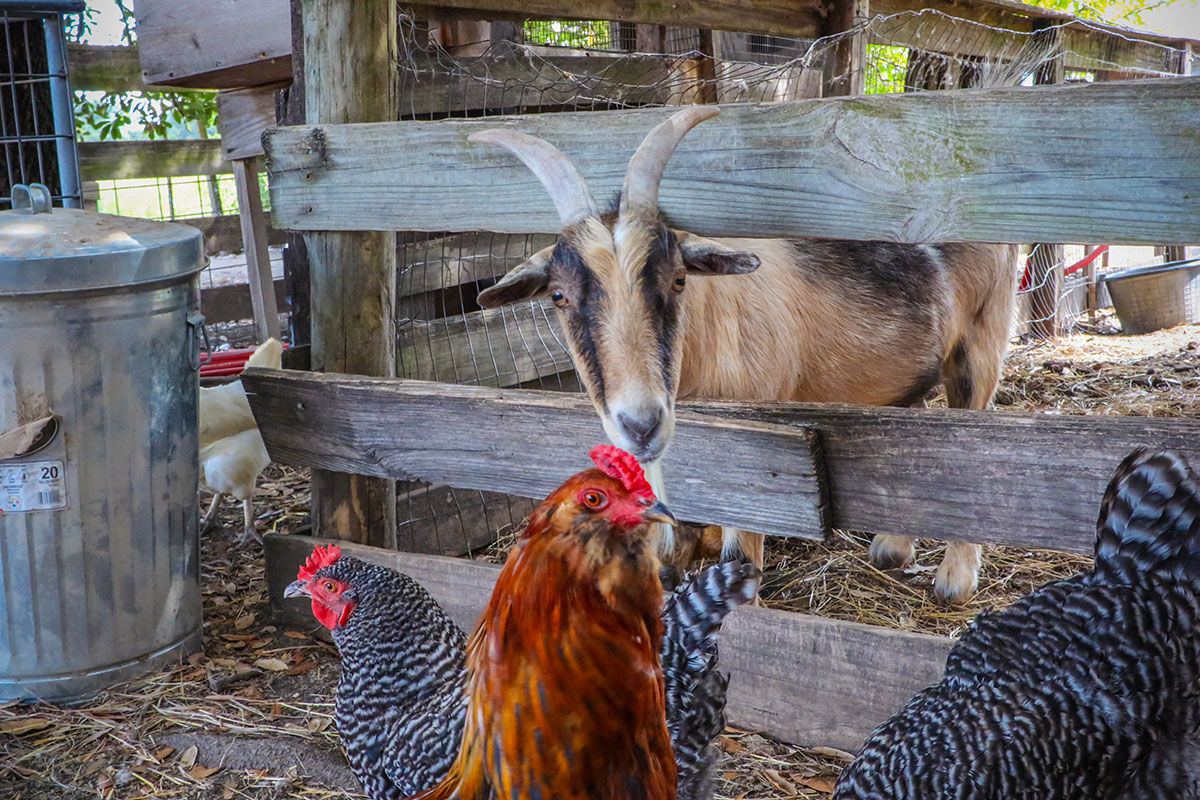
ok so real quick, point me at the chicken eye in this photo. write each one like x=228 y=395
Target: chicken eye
x=329 y=587
x=594 y=500
x=559 y=299
x=680 y=282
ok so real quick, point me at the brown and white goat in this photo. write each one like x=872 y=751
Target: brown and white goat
x=806 y=320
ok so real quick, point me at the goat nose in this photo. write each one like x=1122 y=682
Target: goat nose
x=641 y=429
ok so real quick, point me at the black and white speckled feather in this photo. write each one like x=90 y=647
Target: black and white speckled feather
x=1088 y=688
x=401 y=703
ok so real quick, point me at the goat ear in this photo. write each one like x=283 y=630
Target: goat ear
x=525 y=281
x=706 y=257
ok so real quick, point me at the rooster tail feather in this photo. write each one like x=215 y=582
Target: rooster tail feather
x=1149 y=519
x=696 y=609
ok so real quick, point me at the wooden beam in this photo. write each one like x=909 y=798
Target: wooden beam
x=167 y=158
x=994 y=165
x=450 y=261
x=1046 y=262
x=214 y=44
x=845 y=67
x=507 y=83
x=788 y=17
x=99 y=68
x=524 y=443
x=496 y=347
x=798 y=678
x=350 y=76
x=1027 y=480
x=242 y=116
x=258 y=257
x=232 y=302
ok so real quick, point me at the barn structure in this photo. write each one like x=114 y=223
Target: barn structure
x=426 y=420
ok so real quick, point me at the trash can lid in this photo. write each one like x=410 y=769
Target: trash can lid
x=44 y=249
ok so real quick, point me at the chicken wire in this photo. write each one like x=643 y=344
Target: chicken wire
x=462 y=70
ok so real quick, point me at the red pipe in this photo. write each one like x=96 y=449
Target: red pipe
x=1078 y=265
x=224 y=363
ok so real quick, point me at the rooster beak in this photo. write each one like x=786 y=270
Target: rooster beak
x=296 y=589
x=659 y=513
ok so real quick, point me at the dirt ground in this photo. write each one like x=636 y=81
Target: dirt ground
x=250 y=717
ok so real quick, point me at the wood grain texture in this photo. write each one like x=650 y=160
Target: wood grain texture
x=801 y=679
x=525 y=443
x=349 y=76
x=232 y=302
x=444 y=521
x=164 y=158
x=498 y=347
x=214 y=44
x=242 y=116
x=258 y=256
x=450 y=261
x=976 y=165
x=1027 y=480
x=102 y=68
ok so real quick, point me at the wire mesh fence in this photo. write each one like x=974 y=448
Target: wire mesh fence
x=475 y=70
x=37 y=133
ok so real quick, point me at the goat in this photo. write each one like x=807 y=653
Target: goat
x=808 y=320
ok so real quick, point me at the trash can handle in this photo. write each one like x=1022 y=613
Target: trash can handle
x=196 y=329
x=35 y=197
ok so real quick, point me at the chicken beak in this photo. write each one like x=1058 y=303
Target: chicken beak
x=659 y=513
x=296 y=589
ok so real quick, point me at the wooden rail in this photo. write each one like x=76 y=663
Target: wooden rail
x=981 y=165
x=163 y=158
x=100 y=68
x=799 y=678
x=1028 y=480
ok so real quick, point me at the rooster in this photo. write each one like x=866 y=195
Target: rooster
x=401 y=704
x=232 y=452
x=1088 y=688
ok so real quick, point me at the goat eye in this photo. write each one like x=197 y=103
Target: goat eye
x=559 y=299
x=680 y=282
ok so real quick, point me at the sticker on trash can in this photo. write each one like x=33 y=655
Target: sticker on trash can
x=33 y=486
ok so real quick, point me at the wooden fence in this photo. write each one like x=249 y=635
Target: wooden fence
x=987 y=165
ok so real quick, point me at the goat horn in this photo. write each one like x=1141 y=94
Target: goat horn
x=646 y=168
x=564 y=183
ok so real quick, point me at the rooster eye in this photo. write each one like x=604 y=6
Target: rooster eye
x=594 y=500
x=559 y=299
x=329 y=587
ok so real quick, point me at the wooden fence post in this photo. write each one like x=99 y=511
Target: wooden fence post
x=258 y=256
x=846 y=65
x=1046 y=261
x=349 y=76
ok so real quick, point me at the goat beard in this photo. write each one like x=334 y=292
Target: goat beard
x=662 y=534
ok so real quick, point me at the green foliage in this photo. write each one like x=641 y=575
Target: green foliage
x=161 y=115
x=886 y=68
x=1113 y=11
x=580 y=35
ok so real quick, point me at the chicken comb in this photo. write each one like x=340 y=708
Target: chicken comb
x=619 y=465
x=318 y=559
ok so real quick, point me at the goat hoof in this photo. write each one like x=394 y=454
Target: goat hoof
x=891 y=552
x=955 y=584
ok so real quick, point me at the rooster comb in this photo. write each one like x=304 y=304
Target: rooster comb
x=619 y=465
x=318 y=559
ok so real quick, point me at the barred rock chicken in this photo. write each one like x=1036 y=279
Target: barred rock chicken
x=1088 y=688
x=401 y=704
x=232 y=452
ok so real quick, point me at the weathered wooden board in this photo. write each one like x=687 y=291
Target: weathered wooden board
x=978 y=165
x=99 y=68
x=214 y=44
x=497 y=347
x=444 y=521
x=1028 y=480
x=163 y=158
x=435 y=87
x=232 y=302
x=798 y=678
x=223 y=234
x=242 y=116
x=525 y=443
x=450 y=261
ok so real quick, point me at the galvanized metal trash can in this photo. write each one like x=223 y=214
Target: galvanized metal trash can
x=99 y=542
x=1152 y=298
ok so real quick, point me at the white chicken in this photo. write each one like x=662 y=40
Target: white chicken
x=232 y=453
